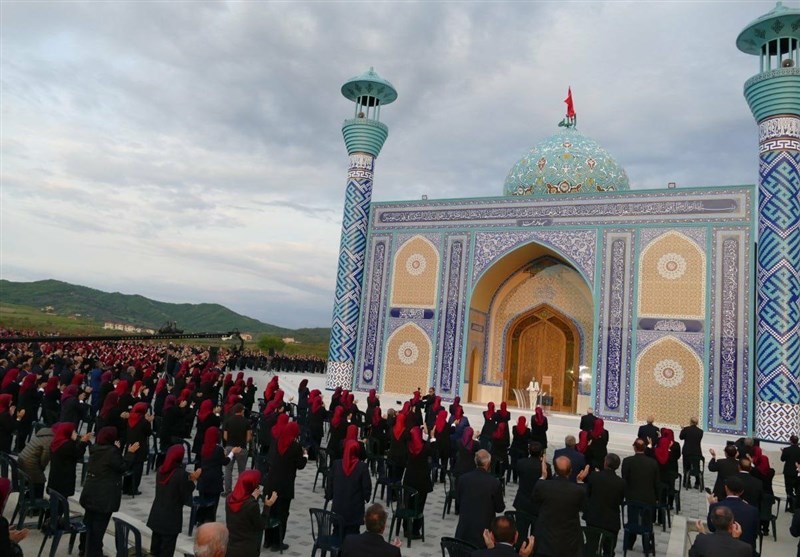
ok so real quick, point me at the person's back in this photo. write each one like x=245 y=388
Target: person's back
x=606 y=493
x=558 y=530
x=479 y=497
x=692 y=437
x=641 y=476
x=724 y=468
x=723 y=542
x=746 y=515
x=576 y=459
x=35 y=457
x=371 y=542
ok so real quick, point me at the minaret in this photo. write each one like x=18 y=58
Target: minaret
x=364 y=135
x=774 y=98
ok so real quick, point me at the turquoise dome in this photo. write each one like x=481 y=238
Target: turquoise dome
x=567 y=162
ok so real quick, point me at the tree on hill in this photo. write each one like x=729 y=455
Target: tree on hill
x=267 y=343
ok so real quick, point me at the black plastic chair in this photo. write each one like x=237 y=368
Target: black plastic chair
x=327 y=531
x=60 y=522
x=122 y=533
x=453 y=547
x=197 y=504
x=382 y=479
x=637 y=519
x=695 y=468
x=770 y=507
x=664 y=508
x=28 y=501
x=405 y=510
x=499 y=468
x=273 y=524
x=322 y=468
x=10 y=469
x=598 y=542
x=449 y=493
x=152 y=454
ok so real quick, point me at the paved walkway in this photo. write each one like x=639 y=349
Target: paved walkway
x=299 y=538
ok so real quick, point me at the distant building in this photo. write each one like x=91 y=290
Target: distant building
x=289 y=340
x=246 y=336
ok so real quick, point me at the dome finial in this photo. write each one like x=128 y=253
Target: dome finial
x=571 y=119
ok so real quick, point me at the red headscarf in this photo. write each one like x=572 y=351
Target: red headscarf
x=288 y=434
x=500 y=431
x=245 y=486
x=137 y=388
x=107 y=435
x=210 y=440
x=169 y=402
x=338 y=415
x=112 y=399
x=416 y=398
x=583 y=441
x=52 y=385
x=303 y=385
x=415 y=444
x=376 y=416
x=28 y=383
x=9 y=377
x=122 y=387
x=316 y=404
x=174 y=457
x=62 y=432
x=437 y=403
x=599 y=427
x=538 y=416
x=760 y=461
x=162 y=383
x=108 y=376
x=350 y=458
x=186 y=393
x=137 y=413
x=281 y=422
x=489 y=413
x=205 y=410
x=77 y=379
x=240 y=376
x=458 y=412
x=522 y=425
x=467 y=438
x=662 y=449
x=504 y=410
x=399 y=426
x=441 y=421
x=372 y=397
x=352 y=433
x=5 y=402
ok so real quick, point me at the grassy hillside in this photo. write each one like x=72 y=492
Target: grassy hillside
x=96 y=306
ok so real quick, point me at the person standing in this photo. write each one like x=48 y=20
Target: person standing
x=570 y=451
x=441 y=433
x=35 y=457
x=587 y=421
x=529 y=471
x=174 y=487
x=724 y=468
x=640 y=473
x=245 y=519
x=349 y=488
x=790 y=456
x=598 y=445
x=102 y=491
x=648 y=432
x=520 y=438
x=210 y=484
x=724 y=541
x=558 y=527
x=9 y=422
x=66 y=449
x=479 y=496
x=288 y=458
x=605 y=493
x=418 y=473
x=29 y=399
x=398 y=451
x=743 y=512
x=692 y=451
x=207 y=416
x=138 y=431
x=237 y=434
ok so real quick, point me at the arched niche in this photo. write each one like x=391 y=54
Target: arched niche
x=415 y=274
x=407 y=363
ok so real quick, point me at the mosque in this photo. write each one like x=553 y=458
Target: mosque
x=671 y=302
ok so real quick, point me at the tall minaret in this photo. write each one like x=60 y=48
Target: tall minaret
x=364 y=136
x=774 y=98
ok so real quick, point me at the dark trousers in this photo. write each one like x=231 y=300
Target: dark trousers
x=23 y=430
x=132 y=485
x=279 y=510
x=96 y=525
x=791 y=488
x=444 y=461
x=163 y=545
x=208 y=514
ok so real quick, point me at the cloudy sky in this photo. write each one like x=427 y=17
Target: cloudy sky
x=192 y=151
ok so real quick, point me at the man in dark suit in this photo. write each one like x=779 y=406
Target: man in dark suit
x=587 y=420
x=606 y=492
x=371 y=542
x=692 y=451
x=753 y=487
x=576 y=459
x=480 y=497
x=530 y=470
x=558 y=530
x=724 y=468
x=723 y=542
x=501 y=539
x=745 y=514
x=648 y=432
x=790 y=456
x=641 y=476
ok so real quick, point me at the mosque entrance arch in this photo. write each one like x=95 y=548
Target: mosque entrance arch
x=543 y=345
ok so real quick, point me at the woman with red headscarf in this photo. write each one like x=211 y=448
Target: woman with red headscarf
x=503 y=415
x=138 y=430
x=102 y=491
x=28 y=399
x=598 y=448
x=372 y=401
x=440 y=432
x=349 y=487
x=418 y=472
x=499 y=449
x=212 y=461
x=160 y=395
x=10 y=386
x=9 y=422
x=66 y=449
x=71 y=405
x=249 y=395
x=207 y=416
x=286 y=460
x=243 y=516
x=539 y=427
x=303 y=394
x=762 y=470
x=398 y=450
x=489 y=425
x=377 y=431
x=172 y=423
x=174 y=487
x=112 y=414
x=520 y=439
x=466 y=447
x=337 y=432
x=50 y=401
x=317 y=414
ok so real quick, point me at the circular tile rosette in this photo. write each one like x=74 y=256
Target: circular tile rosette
x=668 y=373
x=416 y=264
x=671 y=266
x=408 y=352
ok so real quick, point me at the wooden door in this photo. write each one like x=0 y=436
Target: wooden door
x=542 y=352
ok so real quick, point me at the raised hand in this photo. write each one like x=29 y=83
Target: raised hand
x=133 y=448
x=488 y=540
x=713 y=453
x=236 y=450
x=21 y=414
x=396 y=542
x=86 y=437
x=736 y=530
x=271 y=499
x=583 y=473
x=256 y=493
x=527 y=547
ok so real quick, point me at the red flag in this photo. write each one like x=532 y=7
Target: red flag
x=570 y=106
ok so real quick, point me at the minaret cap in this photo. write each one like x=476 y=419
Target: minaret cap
x=780 y=22
x=369 y=84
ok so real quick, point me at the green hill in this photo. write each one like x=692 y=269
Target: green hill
x=69 y=299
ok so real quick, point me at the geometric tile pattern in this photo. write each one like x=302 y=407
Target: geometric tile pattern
x=776 y=420
x=416 y=270
x=350 y=271
x=370 y=338
x=778 y=320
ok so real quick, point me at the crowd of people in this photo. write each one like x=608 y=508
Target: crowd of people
x=127 y=402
